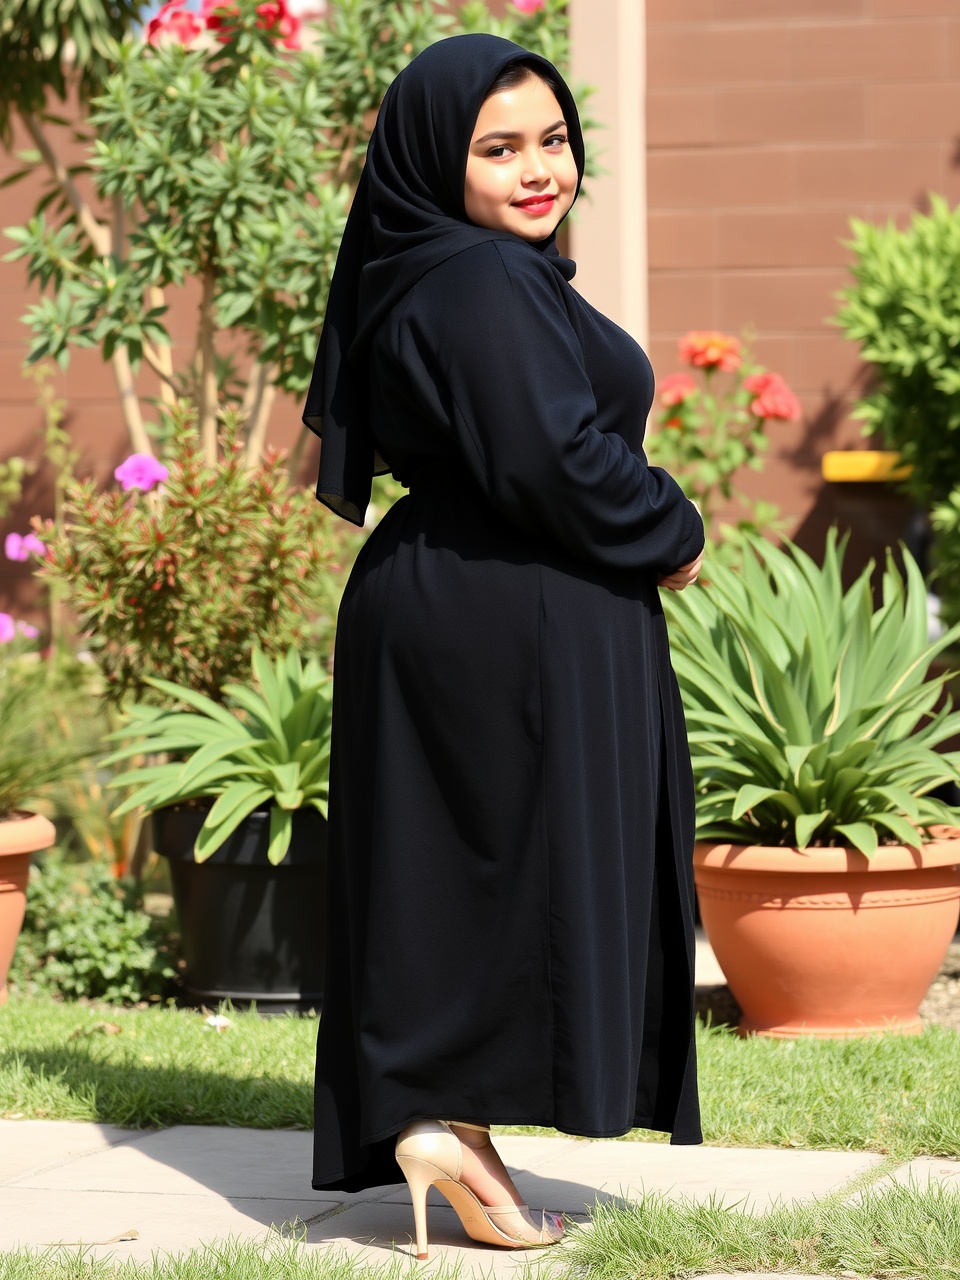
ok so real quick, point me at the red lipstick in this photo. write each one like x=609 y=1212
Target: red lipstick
x=536 y=204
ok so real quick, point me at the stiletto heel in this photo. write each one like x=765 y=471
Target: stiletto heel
x=419 y=1178
x=429 y=1154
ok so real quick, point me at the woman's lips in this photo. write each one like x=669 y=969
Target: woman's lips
x=536 y=204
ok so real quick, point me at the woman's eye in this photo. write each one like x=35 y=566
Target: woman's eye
x=493 y=150
x=557 y=137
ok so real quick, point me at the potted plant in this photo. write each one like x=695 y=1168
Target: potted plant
x=33 y=755
x=241 y=816
x=827 y=871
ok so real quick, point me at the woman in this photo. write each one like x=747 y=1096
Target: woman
x=510 y=902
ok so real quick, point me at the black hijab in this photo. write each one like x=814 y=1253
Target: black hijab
x=407 y=217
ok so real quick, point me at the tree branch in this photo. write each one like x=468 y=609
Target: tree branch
x=104 y=241
x=264 y=375
x=129 y=402
x=164 y=357
x=154 y=358
x=98 y=235
x=208 y=372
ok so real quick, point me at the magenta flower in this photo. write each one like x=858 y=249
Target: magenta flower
x=8 y=628
x=140 y=471
x=528 y=6
x=18 y=546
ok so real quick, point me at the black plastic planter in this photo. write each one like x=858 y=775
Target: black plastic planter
x=251 y=932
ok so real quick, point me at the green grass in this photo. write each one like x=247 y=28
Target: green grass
x=885 y=1093
x=64 y=1061
x=898 y=1231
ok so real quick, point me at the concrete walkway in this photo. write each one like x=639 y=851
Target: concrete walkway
x=131 y=1194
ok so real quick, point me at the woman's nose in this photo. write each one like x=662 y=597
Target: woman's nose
x=535 y=168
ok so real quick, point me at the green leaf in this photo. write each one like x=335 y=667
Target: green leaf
x=228 y=811
x=805 y=824
x=281 y=827
x=861 y=835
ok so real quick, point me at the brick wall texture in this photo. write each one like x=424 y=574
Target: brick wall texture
x=770 y=124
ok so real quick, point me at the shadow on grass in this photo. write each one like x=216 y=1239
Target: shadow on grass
x=138 y=1095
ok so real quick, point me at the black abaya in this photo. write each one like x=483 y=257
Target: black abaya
x=510 y=920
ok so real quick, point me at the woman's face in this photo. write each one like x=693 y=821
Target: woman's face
x=521 y=174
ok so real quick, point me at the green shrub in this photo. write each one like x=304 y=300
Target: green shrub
x=85 y=935
x=904 y=311
x=180 y=582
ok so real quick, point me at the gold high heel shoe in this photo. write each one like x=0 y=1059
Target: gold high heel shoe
x=430 y=1154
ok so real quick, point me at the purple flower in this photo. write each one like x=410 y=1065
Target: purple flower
x=19 y=546
x=28 y=630
x=140 y=471
x=8 y=628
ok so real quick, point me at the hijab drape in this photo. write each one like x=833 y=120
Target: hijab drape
x=407 y=217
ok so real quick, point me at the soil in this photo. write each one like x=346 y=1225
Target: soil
x=941 y=1006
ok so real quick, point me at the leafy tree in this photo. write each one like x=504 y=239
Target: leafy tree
x=224 y=154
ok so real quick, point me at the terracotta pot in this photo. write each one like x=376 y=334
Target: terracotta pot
x=21 y=834
x=826 y=942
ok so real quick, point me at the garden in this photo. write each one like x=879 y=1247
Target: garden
x=165 y=729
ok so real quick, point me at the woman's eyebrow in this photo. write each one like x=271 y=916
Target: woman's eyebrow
x=502 y=133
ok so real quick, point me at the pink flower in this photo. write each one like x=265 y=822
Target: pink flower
x=774 y=399
x=27 y=629
x=140 y=471
x=708 y=349
x=20 y=546
x=676 y=388
x=179 y=26
x=528 y=6
x=8 y=628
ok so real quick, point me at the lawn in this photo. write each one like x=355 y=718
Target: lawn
x=163 y=1066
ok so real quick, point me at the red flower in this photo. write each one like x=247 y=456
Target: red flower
x=180 y=27
x=708 y=349
x=676 y=388
x=272 y=15
x=773 y=398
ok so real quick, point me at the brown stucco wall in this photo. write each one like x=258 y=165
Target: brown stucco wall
x=770 y=124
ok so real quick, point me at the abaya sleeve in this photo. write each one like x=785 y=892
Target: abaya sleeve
x=511 y=369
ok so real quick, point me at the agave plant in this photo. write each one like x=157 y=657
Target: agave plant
x=270 y=747
x=811 y=715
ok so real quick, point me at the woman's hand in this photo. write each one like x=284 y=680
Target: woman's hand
x=687 y=573
x=683 y=576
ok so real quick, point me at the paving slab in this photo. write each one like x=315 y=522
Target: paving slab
x=194 y=1160
x=31 y=1218
x=707 y=971
x=175 y=1189
x=923 y=1170
x=27 y=1146
x=752 y=1179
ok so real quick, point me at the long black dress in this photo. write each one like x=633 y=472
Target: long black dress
x=510 y=921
